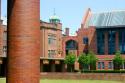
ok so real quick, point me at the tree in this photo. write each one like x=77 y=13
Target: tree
x=117 y=61
x=83 y=61
x=88 y=60
x=70 y=60
x=92 y=60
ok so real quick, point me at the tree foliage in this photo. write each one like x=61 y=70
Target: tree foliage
x=70 y=59
x=92 y=60
x=83 y=59
x=117 y=61
x=88 y=59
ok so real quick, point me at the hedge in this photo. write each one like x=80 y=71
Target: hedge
x=103 y=71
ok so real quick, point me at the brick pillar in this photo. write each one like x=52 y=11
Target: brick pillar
x=0 y=32
x=23 y=41
x=0 y=9
x=117 y=41
x=1 y=41
x=53 y=66
x=106 y=43
x=106 y=65
x=1 y=36
x=64 y=49
x=41 y=66
x=63 y=66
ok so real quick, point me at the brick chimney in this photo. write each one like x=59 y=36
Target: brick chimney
x=67 y=31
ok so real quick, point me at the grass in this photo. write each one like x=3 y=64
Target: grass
x=2 y=80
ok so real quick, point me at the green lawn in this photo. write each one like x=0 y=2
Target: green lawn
x=2 y=80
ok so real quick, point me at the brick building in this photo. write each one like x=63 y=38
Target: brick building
x=3 y=49
x=103 y=33
x=51 y=59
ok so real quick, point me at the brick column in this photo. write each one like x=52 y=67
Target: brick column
x=117 y=41
x=63 y=48
x=63 y=66
x=106 y=64
x=0 y=9
x=106 y=43
x=1 y=40
x=53 y=66
x=41 y=66
x=23 y=41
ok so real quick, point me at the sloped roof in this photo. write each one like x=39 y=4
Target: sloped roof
x=106 y=19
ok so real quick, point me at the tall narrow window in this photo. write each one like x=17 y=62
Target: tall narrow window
x=103 y=65
x=122 y=41
x=111 y=42
x=100 y=42
x=110 y=65
x=85 y=40
x=99 y=65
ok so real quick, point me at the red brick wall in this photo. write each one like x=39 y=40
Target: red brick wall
x=91 y=34
x=1 y=41
x=88 y=76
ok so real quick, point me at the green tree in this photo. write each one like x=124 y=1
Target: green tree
x=83 y=61
x=70 y=60
x=117 y=61
x=92 y=60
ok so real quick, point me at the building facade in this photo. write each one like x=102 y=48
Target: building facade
x=103 y=33
x=51 y=58
x=3 y=49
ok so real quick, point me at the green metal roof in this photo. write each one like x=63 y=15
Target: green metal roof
x=106 y=19
x=54 y=19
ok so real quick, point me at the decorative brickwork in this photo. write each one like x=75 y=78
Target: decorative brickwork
x=64 y=40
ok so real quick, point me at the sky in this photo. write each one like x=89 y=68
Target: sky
x=71 y=12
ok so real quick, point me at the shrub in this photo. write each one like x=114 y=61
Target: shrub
x=104 y=71
x=92 y=60
x=70 y=60
x=83 y=60
x=117 y=61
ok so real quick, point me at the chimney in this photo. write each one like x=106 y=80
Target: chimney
x=67 y=31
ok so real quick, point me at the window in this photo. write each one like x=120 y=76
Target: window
x=85 y=40
x=51 y=39
x=121 y=41
x=111 y=42
x=100 y=42
x=5 y=50
x=71 y=45
x=110 y=65
x=101 y=65
x=51 y=53
x=124 y=65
